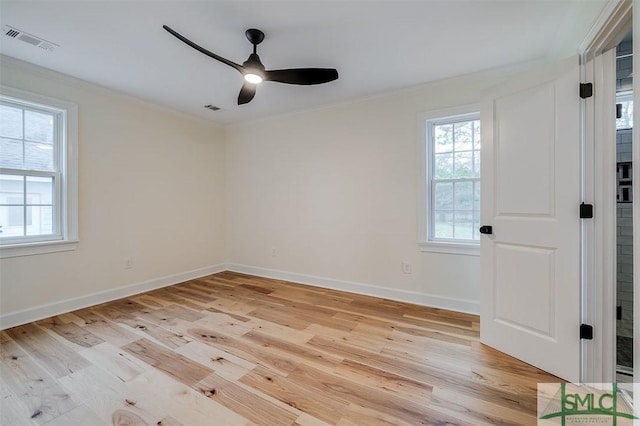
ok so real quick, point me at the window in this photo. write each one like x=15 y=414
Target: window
x=38 y=185
x=625 y=100
x=451 y=182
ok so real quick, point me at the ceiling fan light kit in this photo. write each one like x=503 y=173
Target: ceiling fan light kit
x=254 y=71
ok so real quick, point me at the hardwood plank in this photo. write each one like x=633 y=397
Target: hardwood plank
x=175 y=311
x=305 y=419
x=175 y=365
x=223 y=323
x=70 y=331
x=255 y=354
x=250 y=404
x=147 y=328
x=232 y=349
x=112 y=400
x=225 y=364
x=280 y=318
x=475 y=410
x=318 y=405
x=434 y=376
x=302 y=353
x=185 y=404
x=13 y=410
x=56 y=358
x=103 y=328
x=380 y=379
x=79 y=416
x=115 y=361
x=367 y=397
x=231 y=315
x=280 y=331
x=173 y=297
x=42 y=399
x=356 y=415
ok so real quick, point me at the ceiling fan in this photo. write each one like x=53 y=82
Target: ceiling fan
x=255 y=73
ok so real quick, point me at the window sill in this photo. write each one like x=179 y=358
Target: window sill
x=29 y=249
x=450 y=248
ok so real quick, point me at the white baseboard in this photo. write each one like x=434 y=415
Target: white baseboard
x=13 y=319
x=44 y=311
x=425 y=299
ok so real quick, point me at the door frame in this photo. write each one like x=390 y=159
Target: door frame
x=598 y=158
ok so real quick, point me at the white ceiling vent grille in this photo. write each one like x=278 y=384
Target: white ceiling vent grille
x=17 y=34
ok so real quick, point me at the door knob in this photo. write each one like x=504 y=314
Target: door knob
x=486 y=229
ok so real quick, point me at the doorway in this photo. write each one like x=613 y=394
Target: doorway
x=624 y=210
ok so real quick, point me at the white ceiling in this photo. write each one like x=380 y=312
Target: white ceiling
x=377 y=46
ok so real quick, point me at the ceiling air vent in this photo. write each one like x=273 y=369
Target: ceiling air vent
x=212 y=107
x=29 y=38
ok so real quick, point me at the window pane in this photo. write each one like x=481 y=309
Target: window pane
x=11 y=189
x=38 y=156
x=10 y=122
x=443 y=196
x=626 y=120
x=10 y=153
x=463 y=165
x=476 y=196
x=443 y=134
x=463 y=198
x=39 y=220
x=38 y=127
x=455 y=184
x=476 y=225
x=443 y=224
x=443 y=166
x=463 y=225
x=39 y=190
x=476 y=164
x=476 y=134
x=11 y=220
x=463 y=136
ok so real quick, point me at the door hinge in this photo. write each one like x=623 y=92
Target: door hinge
x=586 y=331
x=619 y=312
x=586 y=90
x=586 y=211
x=618 y=111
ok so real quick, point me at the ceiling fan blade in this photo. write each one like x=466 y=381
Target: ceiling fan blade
x=247 y=93
x=304 y=76
x=202 y=49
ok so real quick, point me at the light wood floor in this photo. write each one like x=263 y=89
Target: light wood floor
x=231 y=349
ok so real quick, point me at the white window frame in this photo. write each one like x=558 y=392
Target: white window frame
x=425 y=149
x=65 y=235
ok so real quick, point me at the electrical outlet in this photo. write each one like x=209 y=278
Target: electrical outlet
x=128 y=263
x=274 y=252
x=406 y=267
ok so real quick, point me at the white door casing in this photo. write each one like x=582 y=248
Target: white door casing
x=530 y=265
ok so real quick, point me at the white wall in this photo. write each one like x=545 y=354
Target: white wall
x=335 y=191
x=151 y=187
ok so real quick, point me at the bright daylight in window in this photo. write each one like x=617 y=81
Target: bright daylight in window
x=625 y=100
x=37 y=176
x=454 y=179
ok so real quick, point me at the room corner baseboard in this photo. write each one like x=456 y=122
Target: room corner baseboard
x=425 y=299
x=44 y=311
x=13 y=319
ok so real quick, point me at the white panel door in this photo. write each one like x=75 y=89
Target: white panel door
x=530 y=264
